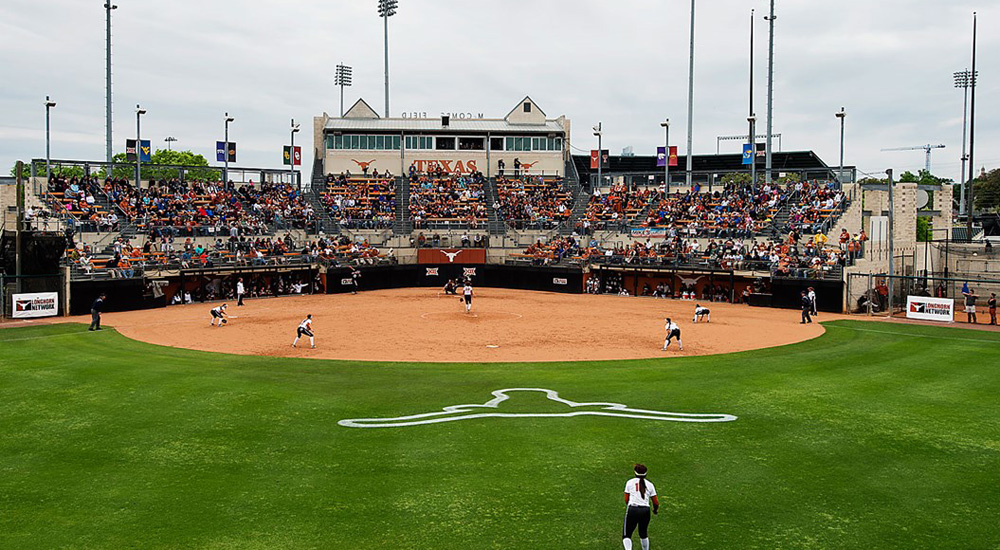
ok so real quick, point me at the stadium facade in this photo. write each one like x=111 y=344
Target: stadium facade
x=361 y=141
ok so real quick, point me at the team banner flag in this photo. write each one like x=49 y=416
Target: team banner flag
x=594 y=156
x=748 y=157
x=673 y=155
x=662 y=159
x=287 y=155
x=221 y=150
x=130 y=150
x=145 y=151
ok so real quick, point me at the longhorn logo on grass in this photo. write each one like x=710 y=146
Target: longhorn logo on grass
x=492 y=409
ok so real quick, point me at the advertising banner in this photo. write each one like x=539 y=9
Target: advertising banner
x=930 y=309
x=130 y=150
x=42 y=304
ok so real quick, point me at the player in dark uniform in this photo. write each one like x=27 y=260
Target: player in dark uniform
x=95 y=313
x=701 y=313
x=355 y=274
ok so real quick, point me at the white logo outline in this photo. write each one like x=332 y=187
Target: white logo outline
x=451 y=255
x=452 y=413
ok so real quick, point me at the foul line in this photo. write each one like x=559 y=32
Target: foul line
x=981 y=341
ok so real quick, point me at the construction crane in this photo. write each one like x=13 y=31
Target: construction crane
x=927 y=148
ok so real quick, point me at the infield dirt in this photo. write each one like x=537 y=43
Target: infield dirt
x=421 y=325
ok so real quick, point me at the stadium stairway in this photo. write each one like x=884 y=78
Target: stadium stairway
x=580 y=200
x=496 y=225
x=403 y=225
x=328 y=225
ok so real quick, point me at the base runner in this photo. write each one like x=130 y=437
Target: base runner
x=305 y=329
x=220 y=314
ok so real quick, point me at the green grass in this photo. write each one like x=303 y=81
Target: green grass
x=872 y=436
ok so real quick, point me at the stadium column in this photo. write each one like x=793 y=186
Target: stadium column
x=770 y=93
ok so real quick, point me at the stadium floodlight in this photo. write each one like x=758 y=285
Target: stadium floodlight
x=169 y=140
x=49 y=104
x=842 y=114
x=108 y=7
x=386 y=9
x=600 y=154
x=964 y=79
x=139 y=111
x=343 y=78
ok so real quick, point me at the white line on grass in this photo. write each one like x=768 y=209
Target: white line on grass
x=981 y=341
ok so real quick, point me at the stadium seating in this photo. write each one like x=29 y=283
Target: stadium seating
x=535 y=202
x=438 y=201
x=360 y=202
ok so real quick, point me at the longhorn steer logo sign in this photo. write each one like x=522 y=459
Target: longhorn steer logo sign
x=451 y=255
x=492 y=409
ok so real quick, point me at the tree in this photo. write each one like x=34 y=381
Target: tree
x=923 y=229
x=908 y=177
x=987 y=191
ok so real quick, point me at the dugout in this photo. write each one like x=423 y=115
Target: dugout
x=122 y=295
x=677 y=279
x=787 y=293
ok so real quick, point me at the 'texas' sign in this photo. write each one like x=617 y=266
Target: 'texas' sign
x=450 y=166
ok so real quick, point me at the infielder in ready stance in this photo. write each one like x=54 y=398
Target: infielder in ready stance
x=701 y=313
x=219 y=313
x=467 y=296
x=305 y=329
x=639 y=493
x=673 y=331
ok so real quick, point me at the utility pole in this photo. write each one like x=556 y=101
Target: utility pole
x=770 y=92
x=963 y=79
x=19 y=228
x=840 y=171
x=600 y=155
x=295 y=130
x=666 y=156
x=49 y=104
x=892 y=250
x=972 y=138
x=753 y=153
x=225 y=170
x=138 y=146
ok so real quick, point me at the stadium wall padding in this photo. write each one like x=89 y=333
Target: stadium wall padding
x=564 y=280
x=786 y=293
x=123 y=295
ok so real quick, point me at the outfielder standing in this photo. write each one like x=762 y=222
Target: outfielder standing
x=305 y=329
x=638 y=495
x=673 y=331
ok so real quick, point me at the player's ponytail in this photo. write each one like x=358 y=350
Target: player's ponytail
x=640 y=472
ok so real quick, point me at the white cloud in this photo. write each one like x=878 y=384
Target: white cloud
x=625 y=64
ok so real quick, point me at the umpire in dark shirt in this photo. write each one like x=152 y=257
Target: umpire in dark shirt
x=95 y=313
x=806 y=308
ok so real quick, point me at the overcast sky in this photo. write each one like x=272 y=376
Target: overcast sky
x=624 y=63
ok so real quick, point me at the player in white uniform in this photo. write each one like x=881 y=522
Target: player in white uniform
x=638 y=495
x=701 y=313
x=673 y=331
x=240 y=291
x=220 y=314
x=467 y=297
x=305 y=329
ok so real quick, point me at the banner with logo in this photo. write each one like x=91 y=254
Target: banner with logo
x=661 y=156
x=130 y=150
x=41 y=304
x=221 y=151
x=930 y=309
x=145 y=151
x=748 y=153
x=594 y=156
x=464 y=256
x=642 y=232
x=286 y=157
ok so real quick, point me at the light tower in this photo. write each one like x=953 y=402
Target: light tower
x=342 y=79
x=386 y=9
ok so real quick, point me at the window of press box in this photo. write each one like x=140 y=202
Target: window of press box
x=496 y=144
x=445 y=144
x=471 y=144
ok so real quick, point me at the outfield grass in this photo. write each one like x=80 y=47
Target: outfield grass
x=872 y=436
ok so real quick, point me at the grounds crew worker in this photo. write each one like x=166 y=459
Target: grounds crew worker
x=95 y=313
